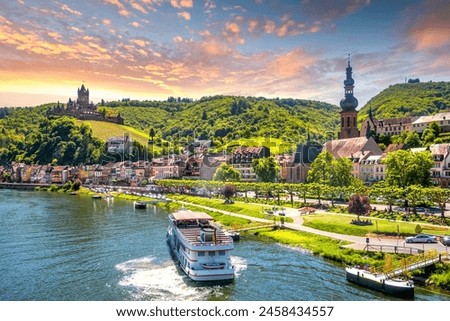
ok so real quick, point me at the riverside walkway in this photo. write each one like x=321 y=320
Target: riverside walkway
x=355 y=242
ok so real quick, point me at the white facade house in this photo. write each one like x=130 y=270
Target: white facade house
x=442 y=119
x=372 y=169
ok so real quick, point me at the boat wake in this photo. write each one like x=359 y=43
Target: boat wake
x=147 y=279
x=240 y=264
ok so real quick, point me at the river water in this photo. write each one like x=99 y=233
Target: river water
x=74 y=248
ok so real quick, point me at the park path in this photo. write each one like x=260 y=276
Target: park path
x=356 y=242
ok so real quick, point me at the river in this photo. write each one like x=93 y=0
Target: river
x=56 y=247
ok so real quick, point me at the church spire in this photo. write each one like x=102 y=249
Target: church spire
x=349 y=102
x=349 y=114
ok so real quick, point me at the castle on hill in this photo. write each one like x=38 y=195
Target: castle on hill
x=83 y=109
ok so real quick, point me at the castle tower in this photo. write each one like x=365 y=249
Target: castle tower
x=83 y=97
x=348 y=104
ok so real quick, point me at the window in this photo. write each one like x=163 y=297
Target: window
x=212 y=253
x=221 y=253
x=201 y=253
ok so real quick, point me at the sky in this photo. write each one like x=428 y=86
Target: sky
x=153 y=49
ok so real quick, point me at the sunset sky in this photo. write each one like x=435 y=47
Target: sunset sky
x=153 y=49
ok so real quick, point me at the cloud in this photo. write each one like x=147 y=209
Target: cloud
x=285 y=27
x=122 y=10
x=65 y=7
x=232 y=33
x=182 y=3
x=431 y=28
x=184 y=14
x=331 y=9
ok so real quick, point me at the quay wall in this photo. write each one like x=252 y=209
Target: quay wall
x=24 y=186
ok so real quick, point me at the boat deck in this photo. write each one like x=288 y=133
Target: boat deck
x=192 y=235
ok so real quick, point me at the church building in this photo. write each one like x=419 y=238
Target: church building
x=349 y=114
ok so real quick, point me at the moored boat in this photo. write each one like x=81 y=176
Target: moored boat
x=380 y=282
x=200 y=247
x=140 y=205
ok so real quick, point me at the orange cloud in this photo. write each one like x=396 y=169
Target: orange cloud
x=432 y=28
x=182 y=3
x=186 y=15
x=65 y=7
x=122 y=10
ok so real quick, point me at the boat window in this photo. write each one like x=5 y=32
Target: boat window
x=201 y=253
x=221 y=252
x=212 y=253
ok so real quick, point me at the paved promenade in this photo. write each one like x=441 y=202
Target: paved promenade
x=356 y=242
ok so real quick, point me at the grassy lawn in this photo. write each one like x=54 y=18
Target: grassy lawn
x=104 y=130
x=324 y=246
x=228 y=221
x=341 y=224
x=248 y=209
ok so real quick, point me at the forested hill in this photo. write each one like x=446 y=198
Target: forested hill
x=411 y=99
x=28 y=135
x=223 y=118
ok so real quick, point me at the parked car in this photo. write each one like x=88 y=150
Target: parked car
x=421 y=238
x=445 y=240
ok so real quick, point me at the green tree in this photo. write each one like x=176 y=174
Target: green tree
x=404 y=168
x=439 y=196
x=321 y=169
x=389 y=192
x=152 y=135
x=412 y=140
x=267 y=169
x=227 y=173
x=332 y=172
x=414 y=194
x=431 y=133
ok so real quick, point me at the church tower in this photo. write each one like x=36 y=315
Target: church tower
x=348 y=104
x=83 y=97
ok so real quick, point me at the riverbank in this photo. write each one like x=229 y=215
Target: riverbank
x=337 y=248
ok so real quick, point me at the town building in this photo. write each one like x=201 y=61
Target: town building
x=120 y=144
x=440 y=172
x=387 y=127
x=356 y=149
x=442 y=119
x=294 y=168
x=242 y=159
x=210 y=164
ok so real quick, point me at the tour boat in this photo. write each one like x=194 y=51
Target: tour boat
x=380 y=282
x=201 y=248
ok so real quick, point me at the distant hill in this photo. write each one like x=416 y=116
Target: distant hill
x=30 y=136
x=224 y=119
x=412 y=99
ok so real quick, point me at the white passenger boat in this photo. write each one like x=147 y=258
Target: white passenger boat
x=200 y=247
x=380 y=282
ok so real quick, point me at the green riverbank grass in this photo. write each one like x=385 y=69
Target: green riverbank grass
x=322 y=246
x=249 y=209
x=339 y=223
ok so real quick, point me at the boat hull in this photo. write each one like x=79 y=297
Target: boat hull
x=202 y=258
x=199 y=275
x=401 y=289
